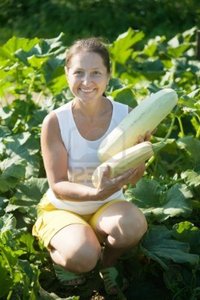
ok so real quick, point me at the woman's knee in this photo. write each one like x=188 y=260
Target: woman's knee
x=83 y=260
x=130 y=229
x=80 y=261
x=77 y=253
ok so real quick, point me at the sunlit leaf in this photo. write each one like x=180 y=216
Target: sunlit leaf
x=187 y=232
x=191 y=177
x=121 y=49
x=5 y=280
x=7 y=222
x=12 y=170
x=158 y=203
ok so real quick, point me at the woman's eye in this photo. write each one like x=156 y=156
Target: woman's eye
x=78 y=72
x=96 y=73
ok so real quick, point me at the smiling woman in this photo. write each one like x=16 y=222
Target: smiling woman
x=75 y=218
x=88 y=76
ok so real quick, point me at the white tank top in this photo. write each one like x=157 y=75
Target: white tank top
x=82 y=157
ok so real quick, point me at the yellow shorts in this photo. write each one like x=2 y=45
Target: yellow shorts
x=50 y=219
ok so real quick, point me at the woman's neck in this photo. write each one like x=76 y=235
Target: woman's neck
x=91 y=110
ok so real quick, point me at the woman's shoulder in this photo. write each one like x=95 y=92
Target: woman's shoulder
x=50 y=121
x=54 y=115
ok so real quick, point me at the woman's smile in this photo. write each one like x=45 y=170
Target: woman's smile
x=87 y=76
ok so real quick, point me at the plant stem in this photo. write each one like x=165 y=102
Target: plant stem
x=31 y=84
x=181 y=127
x=198 y=130
x=170 y=129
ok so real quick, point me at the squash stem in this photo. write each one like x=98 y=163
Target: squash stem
x=158 y=146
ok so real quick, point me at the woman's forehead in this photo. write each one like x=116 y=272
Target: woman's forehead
x=86 y=59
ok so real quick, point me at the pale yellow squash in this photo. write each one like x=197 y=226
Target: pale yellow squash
x=144 y=117
x=123 y=161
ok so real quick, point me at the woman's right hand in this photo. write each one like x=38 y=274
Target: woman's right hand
x=109 y=185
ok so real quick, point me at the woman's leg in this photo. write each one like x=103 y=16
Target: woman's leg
x=122 y=225
x=76 y=248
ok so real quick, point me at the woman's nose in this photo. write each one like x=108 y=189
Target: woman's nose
x=86 y=79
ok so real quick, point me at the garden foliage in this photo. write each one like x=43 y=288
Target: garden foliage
x=32 y=83
x=106 y=18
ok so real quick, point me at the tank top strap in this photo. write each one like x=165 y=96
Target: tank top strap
x=65 y=122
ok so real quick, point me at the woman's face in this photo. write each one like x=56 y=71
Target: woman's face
x=87 y=76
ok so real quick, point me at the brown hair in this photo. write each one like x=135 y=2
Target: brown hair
x=92 y=44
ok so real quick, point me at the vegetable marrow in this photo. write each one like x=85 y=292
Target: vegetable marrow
x=144 y=117
x=123 y=161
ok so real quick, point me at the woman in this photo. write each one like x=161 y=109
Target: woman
x=74 y=218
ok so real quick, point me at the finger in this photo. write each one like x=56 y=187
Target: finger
x=141 y=169
x=106 y=171
x=124 y=178
x=140 y=139
x=147 y=136
x=137 y=176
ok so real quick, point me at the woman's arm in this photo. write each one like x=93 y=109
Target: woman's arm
x=55 y=159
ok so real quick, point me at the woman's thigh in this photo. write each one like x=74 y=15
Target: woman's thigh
x=76 y=248
x=75 y=239
x=49 y=223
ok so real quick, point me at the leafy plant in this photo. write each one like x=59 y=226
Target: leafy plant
x=32 y=82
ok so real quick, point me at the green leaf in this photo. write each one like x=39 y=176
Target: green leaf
x=180 y=43
x=28 y=193
x=25 y=146
x=5 y=280
x=29 y=278
x=13 y=167
x=187 y=232
x=177 y=201
x=4 y=130
x=152 y=45
x=182 y=281
x=159 y=204
x=12 y=171
x=191 y=178
x=7 y=223
x=36 y=62
x=151 y=69
x=147 y=193
x=124 y=95
x=8 y=49
x=26 y=241
x=3 y=201
x=159 y=245
x=53 y=45
x=121 y=49
x=192 y=147
x=176 y=50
